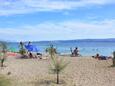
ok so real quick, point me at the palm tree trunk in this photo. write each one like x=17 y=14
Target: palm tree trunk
x=113 y=61
x=114 y=58
x=1 y=64
x=2 y=61
x=57 y=77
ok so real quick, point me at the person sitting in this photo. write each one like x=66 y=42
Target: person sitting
x=31 y=55
x=39 y=55
x=75 y=52
x=101 y=57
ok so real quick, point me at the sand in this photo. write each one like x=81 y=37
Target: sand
x=81 y=71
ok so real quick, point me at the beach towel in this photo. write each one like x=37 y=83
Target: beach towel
x=11 y=54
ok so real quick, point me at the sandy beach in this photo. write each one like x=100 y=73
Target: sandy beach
x=81 y=71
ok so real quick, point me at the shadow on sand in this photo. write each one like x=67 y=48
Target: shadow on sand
x=48 y=83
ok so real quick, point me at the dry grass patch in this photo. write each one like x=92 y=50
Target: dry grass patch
x=4 y=81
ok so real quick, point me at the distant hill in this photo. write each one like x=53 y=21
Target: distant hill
x=81 y=40
x=76 y=40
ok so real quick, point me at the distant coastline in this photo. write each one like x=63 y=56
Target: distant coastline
x=72 y=40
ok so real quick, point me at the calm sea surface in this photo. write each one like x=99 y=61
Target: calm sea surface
x=86 y=48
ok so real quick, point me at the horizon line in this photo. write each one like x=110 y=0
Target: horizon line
x=60 y=40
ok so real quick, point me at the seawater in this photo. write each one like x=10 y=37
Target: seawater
x=86 y=48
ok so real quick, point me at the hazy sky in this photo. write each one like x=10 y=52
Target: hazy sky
x=56 y=19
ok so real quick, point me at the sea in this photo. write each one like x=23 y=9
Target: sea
x=86 y=47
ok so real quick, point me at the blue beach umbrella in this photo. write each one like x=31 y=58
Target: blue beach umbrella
x=32 y=48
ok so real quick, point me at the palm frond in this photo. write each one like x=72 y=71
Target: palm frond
x=58 y=65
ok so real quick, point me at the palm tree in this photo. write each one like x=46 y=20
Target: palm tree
x=22 y=50
x=3 y=48
x=57 y=64
x=51 y=50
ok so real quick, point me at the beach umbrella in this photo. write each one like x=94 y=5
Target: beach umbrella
x=32 y=48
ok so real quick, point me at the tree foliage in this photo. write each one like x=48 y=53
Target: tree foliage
x=3 y=51
x=57 y=64
x=22 y=50
x=52 y=51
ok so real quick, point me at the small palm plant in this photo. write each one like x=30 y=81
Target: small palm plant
x=52 y=51
x=114 y=59
x=3 y=48
x=22 y=50
x=57 y=64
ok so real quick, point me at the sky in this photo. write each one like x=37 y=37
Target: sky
x=40 y=20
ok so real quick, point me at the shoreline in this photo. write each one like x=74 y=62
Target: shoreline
x=14 y=54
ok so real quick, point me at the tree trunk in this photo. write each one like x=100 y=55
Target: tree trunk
x=1 y=64
x=57 y=77
x=2 y=61
x=114 y=58
x=113 y=61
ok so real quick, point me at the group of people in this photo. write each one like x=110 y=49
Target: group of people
x=75 y=53
x=29 y=53
x=101 y=57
